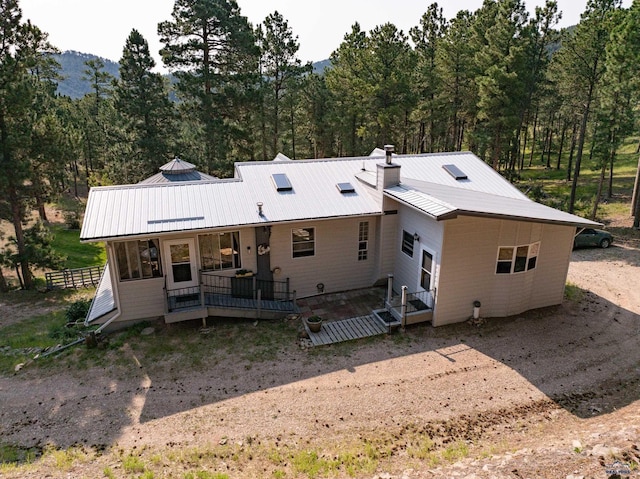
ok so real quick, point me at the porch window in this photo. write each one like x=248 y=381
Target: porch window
x=220 y=251
x=517 y=259
x=426 y=270
x=407 y=243
x=363 y=241
x=303 y=242
x=138 y=259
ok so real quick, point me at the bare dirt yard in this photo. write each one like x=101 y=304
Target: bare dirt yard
x=553 y=393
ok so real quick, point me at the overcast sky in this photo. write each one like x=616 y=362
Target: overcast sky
x=101 y=28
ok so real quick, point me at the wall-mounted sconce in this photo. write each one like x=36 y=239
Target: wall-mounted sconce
x=249 y=249
x=276 y=270
x=320 y=287
x=416 y=237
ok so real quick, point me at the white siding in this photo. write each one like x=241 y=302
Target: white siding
x=141 y=299
x=335 y=263
x=407 y=271
x=469 y=263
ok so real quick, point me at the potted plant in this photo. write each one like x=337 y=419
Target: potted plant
x=244 y=273
x=314 y=323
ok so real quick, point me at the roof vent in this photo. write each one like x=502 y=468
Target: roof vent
x=281 y=182
x=345 y=188
x=456 y=172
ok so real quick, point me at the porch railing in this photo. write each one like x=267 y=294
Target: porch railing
x=244 y=292
x=419 y=301
x=245 y=287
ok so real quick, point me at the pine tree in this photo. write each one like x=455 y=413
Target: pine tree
x=25 y=71
x=211 y=50
x=142 y=100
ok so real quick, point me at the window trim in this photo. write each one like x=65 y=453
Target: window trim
x=307 y=252
x=363 y=240
x=154 y=265
x=236 y=258
x=518 y=263
x=424 y=271
x=407 y=243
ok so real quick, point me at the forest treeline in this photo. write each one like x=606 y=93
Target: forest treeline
x=502 y=82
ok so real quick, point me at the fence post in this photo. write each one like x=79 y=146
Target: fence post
x=259 y=297
x=403 y=309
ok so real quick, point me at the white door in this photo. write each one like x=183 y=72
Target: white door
x=181 y=262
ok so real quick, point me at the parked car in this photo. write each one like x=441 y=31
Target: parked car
x=593 y=237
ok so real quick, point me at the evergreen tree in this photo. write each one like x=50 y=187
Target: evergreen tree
x=141 y=99
x=426 y=38
x=578 y=68
x=25 y=64
x=280 y=68
x=210 y=48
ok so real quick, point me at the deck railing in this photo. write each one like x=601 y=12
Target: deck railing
x=245 y=287
x=245 y=292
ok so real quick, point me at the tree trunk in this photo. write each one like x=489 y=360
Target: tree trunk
x=4 y=287
x=581 y=140
x=562 y=138
x=636 y=195
x=533 y=137
x=596 y=201
x=27 y=280
x=572 y=149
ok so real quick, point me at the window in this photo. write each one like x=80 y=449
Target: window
x=138 y=259
x=407 y=243
x=426 y=269
x=363 y=240
x=303 y=241
x=517 y=259
x=220 y=251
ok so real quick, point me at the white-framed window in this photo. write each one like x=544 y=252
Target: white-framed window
x=303 y=242
x=426 y=270
x=407 y=243
x=363 y=240
x=219 y=251
x=517 y=259
x=138 y=259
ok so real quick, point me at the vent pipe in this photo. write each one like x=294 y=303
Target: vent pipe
x=259 y=204
x=388 y=149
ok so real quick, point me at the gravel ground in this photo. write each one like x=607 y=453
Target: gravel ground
x=550 y=393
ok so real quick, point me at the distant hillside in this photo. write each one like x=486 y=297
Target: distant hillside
x=72 y=70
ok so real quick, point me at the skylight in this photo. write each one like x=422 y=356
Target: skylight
x=456 y=172
x=345 y=188
x=281 y=182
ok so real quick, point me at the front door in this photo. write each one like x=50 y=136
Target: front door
x=181 y=271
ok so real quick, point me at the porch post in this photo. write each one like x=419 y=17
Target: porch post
x=389 y=288
x=403 y=309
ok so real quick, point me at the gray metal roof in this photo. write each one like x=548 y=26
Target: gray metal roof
x=103 y=301
x=178 y=170
x=444 y=202
x=142 y=209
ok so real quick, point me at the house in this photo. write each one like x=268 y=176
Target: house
x=444 y=231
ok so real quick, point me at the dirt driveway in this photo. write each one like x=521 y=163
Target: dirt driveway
x=551 y=393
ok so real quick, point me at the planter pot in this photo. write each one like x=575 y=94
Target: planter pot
x=314 y=326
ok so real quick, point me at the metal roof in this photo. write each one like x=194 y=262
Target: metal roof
x=444 y=202
x=103 y=301
x=178 y=170
x=142 y=209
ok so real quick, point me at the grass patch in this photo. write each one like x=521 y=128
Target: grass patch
x=79 y=255
x=573 y=292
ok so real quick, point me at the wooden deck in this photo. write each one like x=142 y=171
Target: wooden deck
x=347 y=330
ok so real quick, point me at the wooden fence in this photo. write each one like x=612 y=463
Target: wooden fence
x=74 y=278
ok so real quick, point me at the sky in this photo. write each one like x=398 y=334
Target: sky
x=101 y=28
